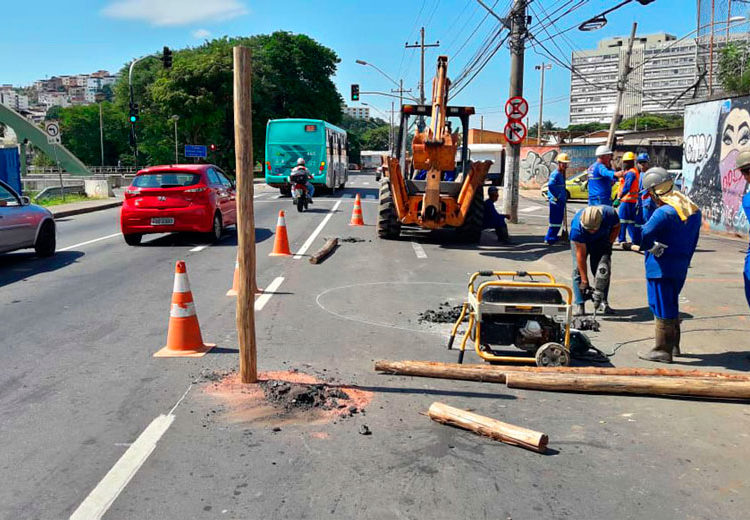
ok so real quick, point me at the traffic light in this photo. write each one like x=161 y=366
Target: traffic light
x=133 y=113
x=166 y=57
x=355 y=92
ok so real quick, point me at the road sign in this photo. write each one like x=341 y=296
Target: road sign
x=52 y=129
x=195 y=150
x=516 y=108
x=515 y=132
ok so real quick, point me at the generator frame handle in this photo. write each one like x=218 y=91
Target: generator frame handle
x=529 y=274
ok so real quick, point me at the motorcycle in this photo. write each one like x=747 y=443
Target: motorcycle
x=299 y=191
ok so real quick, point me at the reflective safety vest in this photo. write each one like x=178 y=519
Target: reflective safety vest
x=632 y=194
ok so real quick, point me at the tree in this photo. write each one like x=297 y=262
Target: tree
x=80 y=132
x=734 y=68
x=376 y=138
x=651 y=122
x=53 y=113
x=355 y=129
x=547 y=126
x=586 y=128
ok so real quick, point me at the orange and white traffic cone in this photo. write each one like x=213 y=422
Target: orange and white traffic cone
x=236 y=281
x=357 y=219
x=281 y=242
x=184 y=336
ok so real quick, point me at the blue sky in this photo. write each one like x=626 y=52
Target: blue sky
x=53 y=37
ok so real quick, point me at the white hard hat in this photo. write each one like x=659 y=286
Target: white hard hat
x=300 y=162
x=603 y=150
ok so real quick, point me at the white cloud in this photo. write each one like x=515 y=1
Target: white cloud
x=201 y=34
x=175 y=12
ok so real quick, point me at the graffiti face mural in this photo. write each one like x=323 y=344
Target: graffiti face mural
x=715 y=133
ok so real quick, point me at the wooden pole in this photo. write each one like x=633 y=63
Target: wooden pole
x=492 y=428
x=243 y=153
x=642 y=385
x=496 y=373
x=326 y=250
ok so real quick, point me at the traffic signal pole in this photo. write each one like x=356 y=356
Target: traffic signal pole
x=517 y=47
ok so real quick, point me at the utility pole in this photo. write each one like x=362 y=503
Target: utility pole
x=421 y=44
x=243 y=153
x=621 y=85
x=517 y=46
x=101 y=132
x=481 y=129
x=400 y=91
x=390 y=131
x=711 y=54
x=542 y=67
x=175 y=118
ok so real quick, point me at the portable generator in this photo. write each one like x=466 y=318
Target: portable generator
x=531 y=315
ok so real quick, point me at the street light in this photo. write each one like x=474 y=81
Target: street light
x=364 y=63
x=175 y=118
x=399 y=84
x=542 y=67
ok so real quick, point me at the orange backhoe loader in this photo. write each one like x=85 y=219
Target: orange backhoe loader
x=435 y=189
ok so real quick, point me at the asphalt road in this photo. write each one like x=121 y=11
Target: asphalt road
x=79 y=386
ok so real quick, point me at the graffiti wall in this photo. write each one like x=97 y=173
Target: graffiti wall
x=537 y=162
x=715 y=133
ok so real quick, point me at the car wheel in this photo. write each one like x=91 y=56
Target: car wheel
x=133 y=239
x=46 y=242
x=217 y=229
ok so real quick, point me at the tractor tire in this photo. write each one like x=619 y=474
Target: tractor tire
x=388 y=227
x=471 y=230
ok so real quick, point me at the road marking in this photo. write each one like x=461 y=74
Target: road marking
x=418 y=250
x=277 y=196
x=365 y=183
x=267 y=293
x=109 y=488
x=317 y=231
x=90 y=241
x=198 y=248
x=370 y=197
x=531 y=209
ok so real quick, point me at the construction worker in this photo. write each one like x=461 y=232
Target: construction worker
x=669 y=241
x=743 y=165
x=592 y=232
x=493 y=219
x=601 y=178
x=627 y=198
x=647 y=205
x=557 y=197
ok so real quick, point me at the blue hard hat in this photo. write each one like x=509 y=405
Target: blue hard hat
x=492 y=189
x=643 y=157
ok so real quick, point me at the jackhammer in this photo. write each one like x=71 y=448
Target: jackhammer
x=601 y=282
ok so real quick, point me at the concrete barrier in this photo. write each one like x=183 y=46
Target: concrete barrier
x=98 y=188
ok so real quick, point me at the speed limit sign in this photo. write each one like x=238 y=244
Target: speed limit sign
x=52 y=129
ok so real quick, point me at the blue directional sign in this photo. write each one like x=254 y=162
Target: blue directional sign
x=195 y=150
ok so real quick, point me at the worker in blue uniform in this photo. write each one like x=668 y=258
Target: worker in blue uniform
x=601 y=178
x=743 y=165
x=557 y=196
x=627 y=198
x=669 y=241
x=493 y=219
x=647 y=204
x=592 y=232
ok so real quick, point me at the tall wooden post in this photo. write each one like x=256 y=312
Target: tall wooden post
x=243 y=153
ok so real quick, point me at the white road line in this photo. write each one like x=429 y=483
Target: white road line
x=531 y=209
x=277 y=196
x=198 y=248
x=109 y=488
x=365 y=183
x=90 y=242
x=418 y=250
x=311 y=239
x=267 y=293
x=370 y=197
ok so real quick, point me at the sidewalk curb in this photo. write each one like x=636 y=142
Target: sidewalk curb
x=87 y=209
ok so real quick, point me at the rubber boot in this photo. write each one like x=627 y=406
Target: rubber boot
x=676 y=338
x=604 y=308
x=662 y=351
x=579 y=309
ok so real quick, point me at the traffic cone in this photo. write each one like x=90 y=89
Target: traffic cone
x=184 y=336
x=281 y=243
x=236 y=281
x=357 y=219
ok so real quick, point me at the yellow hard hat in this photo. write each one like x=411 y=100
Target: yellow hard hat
x=628 y=156
x=562 y=158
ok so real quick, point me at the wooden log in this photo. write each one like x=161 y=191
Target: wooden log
x=496 y=373
x=492 y=428
x=324 y=251
x=641 y=385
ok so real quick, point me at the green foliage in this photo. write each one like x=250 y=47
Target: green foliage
x=53 y=113
x=734 y=69
x=651 y=122
x=40 y=159
x=356 y=129
x=547 y=126
x=291 y=78
x=587 y=127
x=376 y=138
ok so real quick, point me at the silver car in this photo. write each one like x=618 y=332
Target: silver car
x=24 y=225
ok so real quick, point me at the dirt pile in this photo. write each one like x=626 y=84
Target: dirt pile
x=303 y=396
x=445 y=313
x=352 y=240
x=585 y=323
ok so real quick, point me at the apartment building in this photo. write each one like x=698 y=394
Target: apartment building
x=357 y=112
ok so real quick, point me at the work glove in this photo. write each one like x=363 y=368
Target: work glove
x=658 y=249
x=616 y=203
x=586 y=291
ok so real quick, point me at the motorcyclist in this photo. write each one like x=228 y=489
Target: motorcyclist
x=301 y=168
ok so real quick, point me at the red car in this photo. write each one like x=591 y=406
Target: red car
x=178 y=197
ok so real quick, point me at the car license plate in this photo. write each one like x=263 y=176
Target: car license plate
x=162 y=221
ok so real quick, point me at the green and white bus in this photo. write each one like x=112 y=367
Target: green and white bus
x=322 y=146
